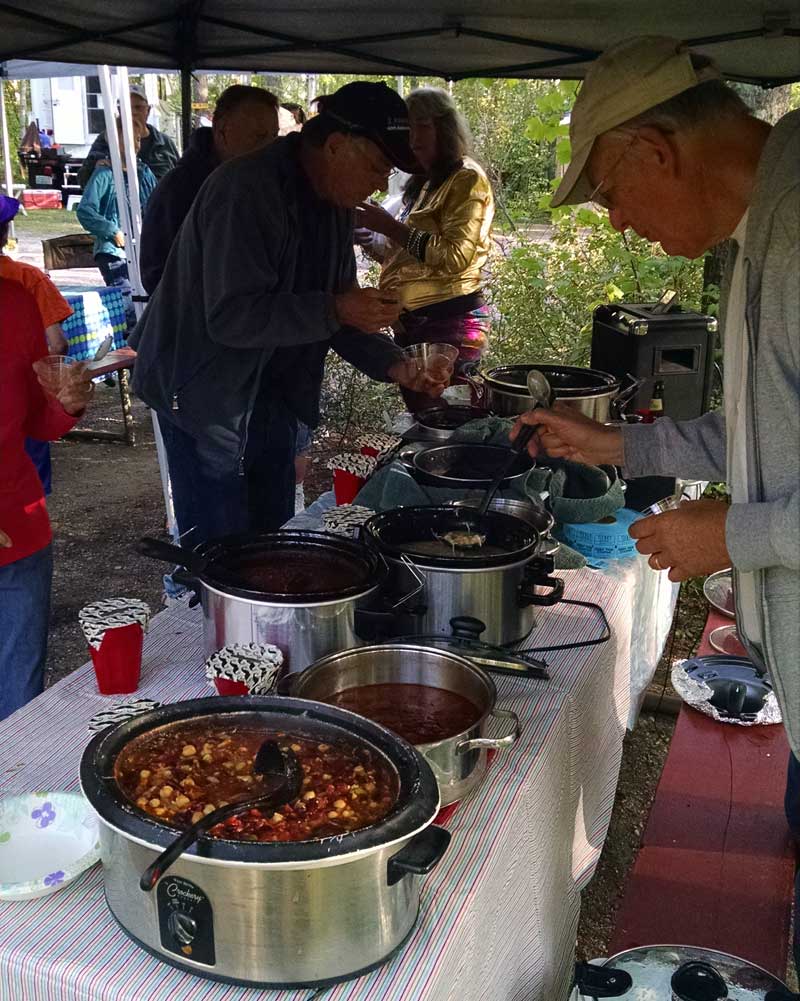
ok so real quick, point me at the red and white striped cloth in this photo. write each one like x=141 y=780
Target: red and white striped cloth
x=499 y=914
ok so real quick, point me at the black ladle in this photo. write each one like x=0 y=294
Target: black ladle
x=271 y=763
x=518 y=446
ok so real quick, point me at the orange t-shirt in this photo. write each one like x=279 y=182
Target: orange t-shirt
x=53 y=307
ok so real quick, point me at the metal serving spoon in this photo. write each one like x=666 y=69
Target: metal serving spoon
x=271 y=763
x=540 y=389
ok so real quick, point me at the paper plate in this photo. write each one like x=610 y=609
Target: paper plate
x=47 y=839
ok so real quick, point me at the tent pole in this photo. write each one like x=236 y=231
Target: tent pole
x=186 y=104
x=6 y=151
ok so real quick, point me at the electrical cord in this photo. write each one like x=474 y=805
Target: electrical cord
x=604 y=637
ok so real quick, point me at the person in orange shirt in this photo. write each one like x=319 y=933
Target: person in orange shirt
x=53 y=307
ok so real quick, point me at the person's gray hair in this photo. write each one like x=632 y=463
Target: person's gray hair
x=454 y=138
x=709 y=102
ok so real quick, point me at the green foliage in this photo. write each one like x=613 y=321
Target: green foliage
x=544 y=293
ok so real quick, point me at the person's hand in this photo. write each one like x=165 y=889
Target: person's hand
x=565 y=433
x=376 y=219
x=689 y=541
x=57 y=344
x=432 y=380
x=5 y=541
x=72 y=385
x=119 y=239
x=362 y=237
x=366 y=309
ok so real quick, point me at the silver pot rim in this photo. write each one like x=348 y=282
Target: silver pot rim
x=319 y=666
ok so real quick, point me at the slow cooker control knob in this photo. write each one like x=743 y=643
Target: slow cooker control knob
x=183 y=927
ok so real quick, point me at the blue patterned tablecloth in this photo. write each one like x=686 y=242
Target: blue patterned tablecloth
x=97 y=312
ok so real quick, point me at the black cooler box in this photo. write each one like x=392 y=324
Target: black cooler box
x=675 y=348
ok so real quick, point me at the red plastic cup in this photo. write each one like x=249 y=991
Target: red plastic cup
x=227 y=687
x=369 y=450
x=346 y=485
x=118 y=662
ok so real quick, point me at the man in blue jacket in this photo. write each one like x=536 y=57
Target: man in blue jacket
x=260 y=284
x=245 y=119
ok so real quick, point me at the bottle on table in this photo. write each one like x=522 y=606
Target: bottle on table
x=656 y=407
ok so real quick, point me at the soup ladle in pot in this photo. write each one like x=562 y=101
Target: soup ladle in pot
x=271 y=764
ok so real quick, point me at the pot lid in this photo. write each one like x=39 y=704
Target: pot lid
x=418 y=533
x=687 y=973
x=448 y=418
x=291 y=567
x=416 y=805
x=465 y=641
x=739 y=687
x=463 y=463
x=565 y=380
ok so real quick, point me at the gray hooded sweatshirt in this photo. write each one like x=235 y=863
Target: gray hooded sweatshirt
x=762 y=535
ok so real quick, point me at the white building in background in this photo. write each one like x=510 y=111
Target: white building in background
x=72 y=107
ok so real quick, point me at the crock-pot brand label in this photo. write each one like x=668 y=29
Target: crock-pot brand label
x=185 y=920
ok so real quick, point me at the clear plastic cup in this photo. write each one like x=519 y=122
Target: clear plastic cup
x=433 y=359
x=52 y=371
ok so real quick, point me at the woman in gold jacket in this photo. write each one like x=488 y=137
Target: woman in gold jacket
x=434 y=251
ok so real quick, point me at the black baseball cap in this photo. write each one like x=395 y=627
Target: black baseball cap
x=377 y=112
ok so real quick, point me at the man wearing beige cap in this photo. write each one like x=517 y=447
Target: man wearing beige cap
x=671 y=152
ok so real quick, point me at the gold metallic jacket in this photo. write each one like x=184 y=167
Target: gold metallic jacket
x=459 y=214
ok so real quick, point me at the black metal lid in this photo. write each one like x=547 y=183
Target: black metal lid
x=405 y=531
x=448 y=418
x=416 y=806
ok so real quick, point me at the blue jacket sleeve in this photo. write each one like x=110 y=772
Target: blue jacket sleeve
x=242 y=230
x=89 y=211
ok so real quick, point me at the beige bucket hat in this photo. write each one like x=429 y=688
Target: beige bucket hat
x=625 y=81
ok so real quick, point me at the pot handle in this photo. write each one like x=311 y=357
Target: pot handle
x=624 y=397
x=189 y=580
x=602 y=981
x=418 y=576
x=527 y=595
x=494 y=743
x=476 y=383
x=419 y=856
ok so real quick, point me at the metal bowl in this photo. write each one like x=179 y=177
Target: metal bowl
x=718 y=589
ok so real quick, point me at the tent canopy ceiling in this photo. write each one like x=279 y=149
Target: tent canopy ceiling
x=752 y=40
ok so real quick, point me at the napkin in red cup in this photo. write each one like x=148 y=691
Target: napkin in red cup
x=114 y=629
x=350 y=472
x=376 y=443
x=244 y=668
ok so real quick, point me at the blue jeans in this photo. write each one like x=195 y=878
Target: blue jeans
x=212 y=498
x=24 y=617
x=113 y=269
x=39 y=453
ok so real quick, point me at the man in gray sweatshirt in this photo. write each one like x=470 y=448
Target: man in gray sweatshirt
x=670 y=151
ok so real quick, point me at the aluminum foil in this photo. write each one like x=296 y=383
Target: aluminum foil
x=697 y=694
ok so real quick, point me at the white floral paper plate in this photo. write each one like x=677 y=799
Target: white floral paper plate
x=47 y=839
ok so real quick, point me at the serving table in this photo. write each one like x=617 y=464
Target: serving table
x=499 y=913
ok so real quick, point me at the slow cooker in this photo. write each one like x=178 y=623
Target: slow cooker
x=276 y=913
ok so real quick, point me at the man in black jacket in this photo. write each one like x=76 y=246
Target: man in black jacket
x=260 y=284
x=245 y=119
x=157 y=150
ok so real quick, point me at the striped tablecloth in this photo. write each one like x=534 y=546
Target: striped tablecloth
x=500 y=912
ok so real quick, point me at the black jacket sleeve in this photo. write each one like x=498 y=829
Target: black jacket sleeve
x=167 y=207
x=371 y=354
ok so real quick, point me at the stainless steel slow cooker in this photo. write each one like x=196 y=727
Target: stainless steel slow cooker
x=495 y=583
x=296 y=590
x=591 y=392
x=458 y=761
x=275 y=914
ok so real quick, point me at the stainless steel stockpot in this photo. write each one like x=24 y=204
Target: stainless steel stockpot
x=274 y=914
x=458 y=761
x=591 y=392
